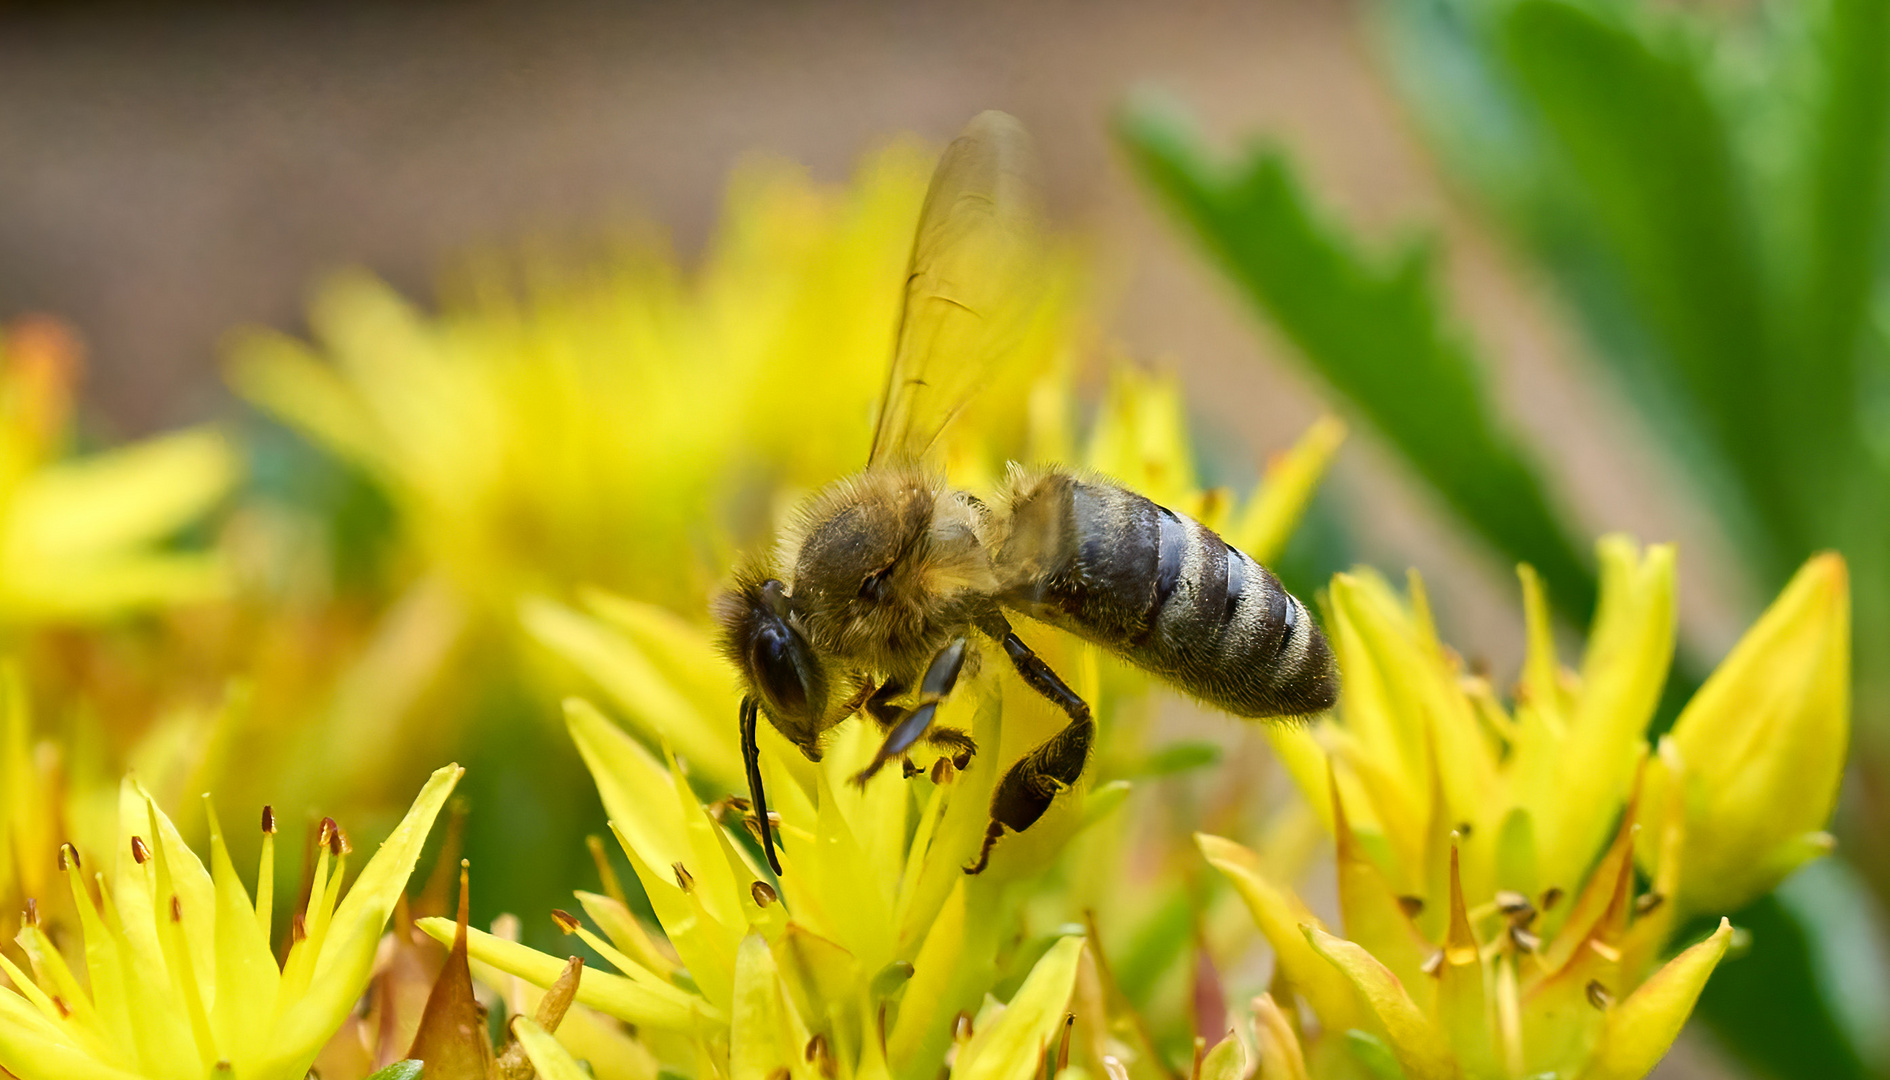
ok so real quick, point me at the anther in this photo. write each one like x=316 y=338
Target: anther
x=1523 y=939
x=819 y=1055
x=909 y=770
x=961 y=1028
x=566 y=921
x=177 y=909
x=68 y=857
x=298 y=927
x=1598 y=995
x=31 y=915
x=1412 y=906
x=139 y=850
x=1463 y=830
x=65 y=1010
x=763 y=893
x=1433 y=963
x=781 y=1073
x=269 y=819
x=325 y=834
x=1512 y=903
x=338 y=844
x=684 y=880
x=962 y=760
x=1645 y=903
x=943 y=770
x=1551 y=897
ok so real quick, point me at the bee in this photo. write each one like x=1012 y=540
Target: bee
x=888 y=580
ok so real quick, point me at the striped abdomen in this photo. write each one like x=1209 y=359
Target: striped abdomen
x=1167 y=593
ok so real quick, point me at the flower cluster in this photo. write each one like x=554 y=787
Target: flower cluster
x=1491 y=926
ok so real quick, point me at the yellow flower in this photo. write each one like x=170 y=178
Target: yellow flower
x=616 y=428
x=874 y=941
x=1760 y=749
x=79 y=537
x=178 y=978
x=1491 y=927
x=673 y=687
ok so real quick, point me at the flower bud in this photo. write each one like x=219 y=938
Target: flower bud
x=1762 y=747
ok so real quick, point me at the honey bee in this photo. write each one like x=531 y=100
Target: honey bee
x=888 y=580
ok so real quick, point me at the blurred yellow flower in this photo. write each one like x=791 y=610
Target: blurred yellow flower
x=178 y=979
x=1490 y=927
x=81 y=537
x=618 y=428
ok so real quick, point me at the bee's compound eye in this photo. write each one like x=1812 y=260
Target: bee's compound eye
x=773 y=660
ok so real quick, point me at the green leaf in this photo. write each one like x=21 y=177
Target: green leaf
x=399 y=1070
x=1371 y=326
x=1650 y=163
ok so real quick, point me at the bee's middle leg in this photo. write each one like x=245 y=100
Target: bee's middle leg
x=906 y=730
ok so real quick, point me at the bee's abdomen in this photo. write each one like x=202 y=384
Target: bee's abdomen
x=1168 y=594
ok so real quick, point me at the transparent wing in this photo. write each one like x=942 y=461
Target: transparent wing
x=975 y=280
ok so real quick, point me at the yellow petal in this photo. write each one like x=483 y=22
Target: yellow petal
x=1012 y=1047
x=1275 y=508
x=1639 y=1030
x=1279 y=917
x=1280 y=1054
x=109 y=501
x=633 y=783
x=662 y=712
x=1763 y=744
x=632 y=1001
x=1629 y=650
x=766 y=1034
x=552 y=1061
x=347 y=956
x=1415 y=1041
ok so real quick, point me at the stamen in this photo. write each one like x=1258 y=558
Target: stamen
x=821 y=1056
x=961 y=760
x=1412 y=906
x=1551 y=897
x=1433 y=963
x=338 y=844
x=1598 y=995
x=298 y=929
x=1463 y=830
x=943 y=771
x=325 y=835
x=605 y=873
x=1605 y=951
x=1512 y=903
x=566 y=921
x=69 y=857
x=763 y=893
x=1063 y=1047
x=1523 y=939
x=177 y=909
x=1647 y=902
x=684 y=880
x=65 y=1010
x=961 y=1028
x=139 y=851
x=31 y=915
x=269 y=819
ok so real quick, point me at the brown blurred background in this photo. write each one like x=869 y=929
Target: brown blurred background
x=170 y=171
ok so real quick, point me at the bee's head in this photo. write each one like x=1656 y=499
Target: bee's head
x=762 y=639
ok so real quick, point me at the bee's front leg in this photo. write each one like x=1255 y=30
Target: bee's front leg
x=940 y=677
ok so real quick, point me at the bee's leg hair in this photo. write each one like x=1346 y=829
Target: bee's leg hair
x=939 y=679
x=1028 y=788
x=751 y=759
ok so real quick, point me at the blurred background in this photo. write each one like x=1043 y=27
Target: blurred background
x=172 y=173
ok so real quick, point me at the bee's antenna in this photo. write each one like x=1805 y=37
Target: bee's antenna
x=751 y=757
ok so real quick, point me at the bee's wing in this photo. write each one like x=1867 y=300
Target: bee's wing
x=976 y=277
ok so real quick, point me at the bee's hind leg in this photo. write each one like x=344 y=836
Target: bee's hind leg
x=1029 y=787
x=904 y=732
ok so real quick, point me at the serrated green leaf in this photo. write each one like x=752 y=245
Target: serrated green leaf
x=1371 y=326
